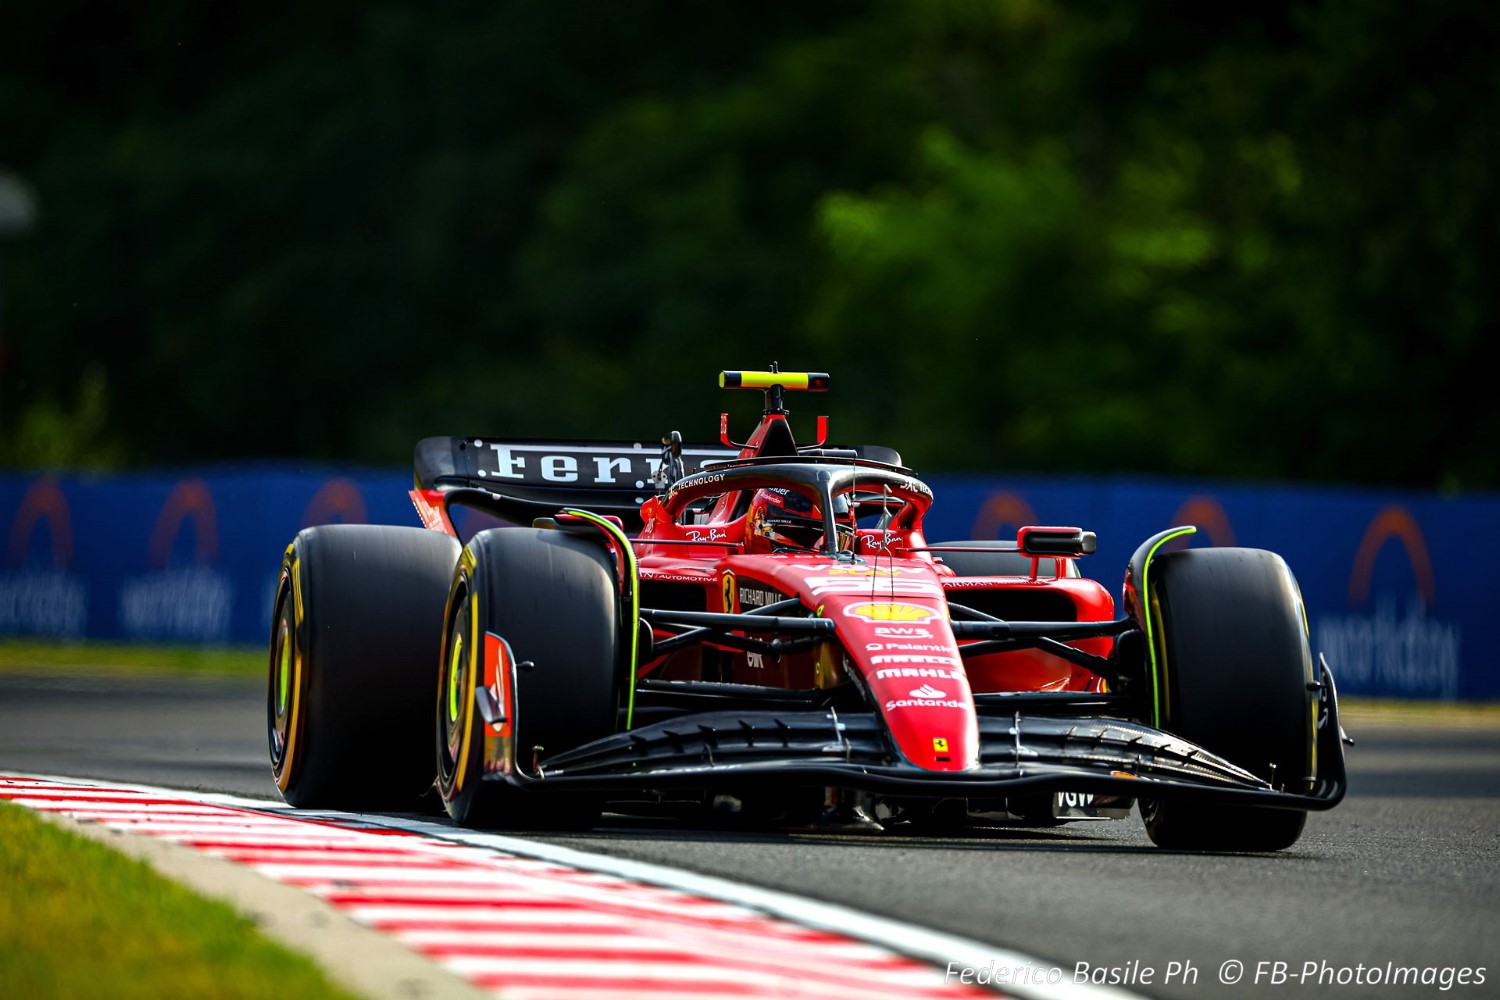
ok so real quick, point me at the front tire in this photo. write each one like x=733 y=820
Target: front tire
x=1235 y=675
x=551 y=598
x=358 y=618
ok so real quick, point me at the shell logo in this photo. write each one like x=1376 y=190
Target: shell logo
x=890 y=611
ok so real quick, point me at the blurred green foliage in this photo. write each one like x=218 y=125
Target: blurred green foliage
x=1238 y=239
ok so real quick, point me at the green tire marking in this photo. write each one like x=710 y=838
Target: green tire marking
x=453 y=662
x=632 y=574
x=283 y=669
x=1146 y=614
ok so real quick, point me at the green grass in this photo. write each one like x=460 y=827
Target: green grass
x=1377 y=711
x=30 y=654
x=79 y=920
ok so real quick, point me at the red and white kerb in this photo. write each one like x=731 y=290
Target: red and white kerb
x=522 y=927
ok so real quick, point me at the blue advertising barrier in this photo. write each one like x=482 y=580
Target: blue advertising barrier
x=1398 y=585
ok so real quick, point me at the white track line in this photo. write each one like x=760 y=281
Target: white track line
x=432 y=902
x=935 y=947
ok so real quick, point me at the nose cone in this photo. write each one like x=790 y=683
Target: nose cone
x=929 y=710
x=893 y=622
x=909 y=658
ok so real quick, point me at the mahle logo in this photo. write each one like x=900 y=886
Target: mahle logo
x=890 y=611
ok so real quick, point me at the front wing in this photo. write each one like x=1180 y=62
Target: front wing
x=1023 y=753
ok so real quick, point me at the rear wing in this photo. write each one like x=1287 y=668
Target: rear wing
x=522 y=480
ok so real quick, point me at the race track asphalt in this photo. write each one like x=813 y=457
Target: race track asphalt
x=1406 y=871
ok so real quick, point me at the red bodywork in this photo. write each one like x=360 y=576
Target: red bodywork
x=888 y=595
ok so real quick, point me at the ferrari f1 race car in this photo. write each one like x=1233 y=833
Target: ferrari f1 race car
x=762 y=629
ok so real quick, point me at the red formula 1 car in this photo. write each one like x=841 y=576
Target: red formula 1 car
x=762 y=628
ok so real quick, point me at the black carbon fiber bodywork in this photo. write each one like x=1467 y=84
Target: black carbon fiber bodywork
x=1023 y=752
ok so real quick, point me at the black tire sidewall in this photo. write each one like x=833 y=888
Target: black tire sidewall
x=552 y=597
x=1234 y=670
x=1236 y=661
x=368 y=631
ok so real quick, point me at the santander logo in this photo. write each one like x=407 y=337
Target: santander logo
x=928 y=691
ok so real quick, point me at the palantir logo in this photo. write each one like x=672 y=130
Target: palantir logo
x=1394 y=648
x=38 y=594
x=183 y=596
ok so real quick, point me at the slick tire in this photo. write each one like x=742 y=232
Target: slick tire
x=355 y=634
x=551 y=596
x=1234 y=676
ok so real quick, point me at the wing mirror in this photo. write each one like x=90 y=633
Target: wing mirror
x=1072 y=542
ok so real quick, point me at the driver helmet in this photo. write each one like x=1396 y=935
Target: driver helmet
x=785 y=519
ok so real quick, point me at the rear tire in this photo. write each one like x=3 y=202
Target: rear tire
x=357 y=625
x=1234 y=676
x=552 y=597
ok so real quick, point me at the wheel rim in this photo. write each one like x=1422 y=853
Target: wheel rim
x=283 y=669
x=451 y=716
x=455 y=685
x=281 y=689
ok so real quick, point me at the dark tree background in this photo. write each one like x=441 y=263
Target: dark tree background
x=1231 y=239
